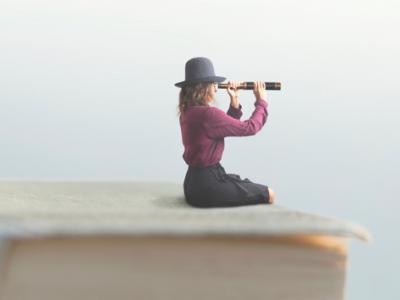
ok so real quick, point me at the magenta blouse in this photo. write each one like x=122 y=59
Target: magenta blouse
x=204 y=128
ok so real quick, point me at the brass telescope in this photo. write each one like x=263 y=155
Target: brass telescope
x=250 y=86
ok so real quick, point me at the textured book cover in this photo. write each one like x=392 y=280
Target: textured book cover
x=140 y=240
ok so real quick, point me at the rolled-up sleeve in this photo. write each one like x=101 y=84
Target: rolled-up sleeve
x=218 y=124
x=235 y=112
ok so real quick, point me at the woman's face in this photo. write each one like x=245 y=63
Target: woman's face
x=213 y=90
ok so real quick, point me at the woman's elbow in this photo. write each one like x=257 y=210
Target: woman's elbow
x=251 y=132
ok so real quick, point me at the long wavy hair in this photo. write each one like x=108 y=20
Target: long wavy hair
x=194 y=94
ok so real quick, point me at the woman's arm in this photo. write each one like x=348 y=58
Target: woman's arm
x=235 y=106
x=218 y=124
x=235 y=112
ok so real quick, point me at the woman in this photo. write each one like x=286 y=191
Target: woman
x=204 y=128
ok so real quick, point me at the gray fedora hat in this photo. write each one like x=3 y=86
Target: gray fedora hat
x=199 y=69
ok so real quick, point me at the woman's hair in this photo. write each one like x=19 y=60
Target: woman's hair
x=194 y=94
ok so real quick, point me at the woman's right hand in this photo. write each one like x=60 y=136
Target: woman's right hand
x=232 y=89
x=259 y=90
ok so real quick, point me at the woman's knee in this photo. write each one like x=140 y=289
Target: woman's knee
x=271 y=196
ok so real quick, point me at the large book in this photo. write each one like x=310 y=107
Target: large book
x=140 y=240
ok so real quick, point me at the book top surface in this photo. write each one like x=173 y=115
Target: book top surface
x=42 y=208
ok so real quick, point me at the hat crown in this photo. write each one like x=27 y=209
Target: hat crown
x=198 y=67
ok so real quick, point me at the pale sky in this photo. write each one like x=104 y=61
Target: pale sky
x=87 y=93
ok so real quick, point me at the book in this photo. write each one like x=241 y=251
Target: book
x=140 y=240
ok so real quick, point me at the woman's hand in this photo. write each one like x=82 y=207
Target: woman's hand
x=259 y=90
x=234 y=92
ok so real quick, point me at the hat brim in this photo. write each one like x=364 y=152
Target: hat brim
x=204 y=79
